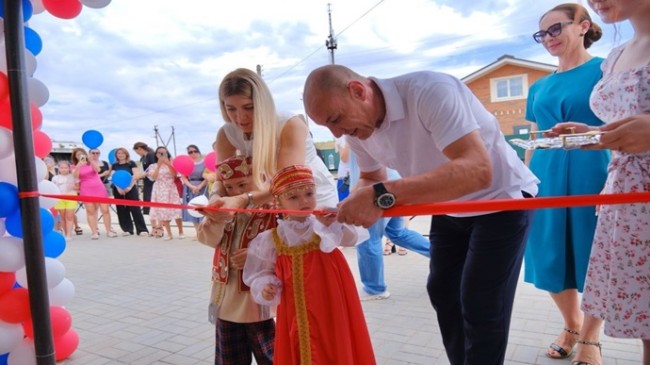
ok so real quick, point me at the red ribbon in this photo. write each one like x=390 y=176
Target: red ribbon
x=403 y=210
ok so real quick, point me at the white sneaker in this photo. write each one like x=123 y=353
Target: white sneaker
x=365 y=296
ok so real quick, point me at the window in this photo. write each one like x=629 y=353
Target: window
x=509 y=88
x=521 y=129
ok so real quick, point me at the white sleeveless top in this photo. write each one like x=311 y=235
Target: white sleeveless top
x=326 y=194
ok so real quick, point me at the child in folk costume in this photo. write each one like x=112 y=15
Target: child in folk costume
x=298 y=266
x=242 y=326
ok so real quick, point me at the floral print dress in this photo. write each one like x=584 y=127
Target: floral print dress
x=618 y=279
x=164 y=191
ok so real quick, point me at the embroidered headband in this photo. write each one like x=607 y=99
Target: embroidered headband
x=291 y=177
x=234 y=167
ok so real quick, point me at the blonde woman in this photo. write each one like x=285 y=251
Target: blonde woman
x=274 y=140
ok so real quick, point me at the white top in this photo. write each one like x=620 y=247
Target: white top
x=326 y=193
x=426 y=112
x=65 y=183
x=259 y=269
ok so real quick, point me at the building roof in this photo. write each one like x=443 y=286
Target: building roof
x=65 y=146
x=508 y=60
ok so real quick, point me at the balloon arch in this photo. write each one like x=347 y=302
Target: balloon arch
x=16 y=324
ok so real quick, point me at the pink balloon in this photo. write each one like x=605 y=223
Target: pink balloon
x=42 y=144
x=210 y=161
x=65 y=345
x=183 y=164
x=64 y=9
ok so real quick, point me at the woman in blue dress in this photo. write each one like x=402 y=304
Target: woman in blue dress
x=194 y=184
x=560 y=239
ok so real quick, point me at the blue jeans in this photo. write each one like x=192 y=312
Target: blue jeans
x=370 y=253
x=473 y=273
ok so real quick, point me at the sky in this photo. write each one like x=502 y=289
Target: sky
x=139 y=64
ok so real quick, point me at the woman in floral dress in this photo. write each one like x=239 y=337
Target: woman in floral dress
x=164 y=191
x=617 y=289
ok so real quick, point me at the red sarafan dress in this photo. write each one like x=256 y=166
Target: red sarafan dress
x=320 y=320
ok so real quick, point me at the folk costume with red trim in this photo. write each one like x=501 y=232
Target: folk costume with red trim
x=320 y=319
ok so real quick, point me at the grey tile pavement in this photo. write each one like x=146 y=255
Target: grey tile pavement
x=141 y=300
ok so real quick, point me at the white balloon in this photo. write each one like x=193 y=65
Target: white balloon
x=62 y=294
x=38 y=92
x=12 y=256
x=11 y=334
x=6 y=142
x=96 y=4
x=41 y=169
x=30 y=61
x=2 y=228
x=8 y=170
x=199 y=201
x=48 y=187
x=37 y=6
x=54 y=272
x=23 y=354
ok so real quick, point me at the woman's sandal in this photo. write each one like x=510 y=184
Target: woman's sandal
x=592 y=343
x=389 y=248
x=561 y=350
x=402 y=251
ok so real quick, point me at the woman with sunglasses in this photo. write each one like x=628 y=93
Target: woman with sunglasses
x=274 y=140
x=557 y=252
x=194 y=184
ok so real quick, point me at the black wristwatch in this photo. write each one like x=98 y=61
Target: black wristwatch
x=383 y=199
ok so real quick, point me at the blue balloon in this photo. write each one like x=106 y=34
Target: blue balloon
x=121 y=179
x=28 y=10
x=92 y=138
x=14 y=225
x=111 y=156
x=9 y=199
x=53 y=244
x=33 y=41
x=3 y=359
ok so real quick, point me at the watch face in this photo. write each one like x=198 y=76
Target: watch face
x=386 y=200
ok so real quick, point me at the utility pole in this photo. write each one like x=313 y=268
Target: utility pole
x=258 y=69
x=161 y=142
x=331 y=41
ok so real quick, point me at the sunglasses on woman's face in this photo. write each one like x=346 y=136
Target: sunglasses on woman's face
x=192 y=152
x=554 y=31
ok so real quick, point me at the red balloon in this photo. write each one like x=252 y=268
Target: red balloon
x=60 y=319
x=183 y=164
x=5 y=115
x=65 y=345
x=64 y=9
x=7 y=281
x=37 y=116
x=42 y=144
x=210 y=161
x=14 y=306
x=4 y=86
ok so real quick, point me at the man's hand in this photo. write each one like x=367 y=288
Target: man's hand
x=359 y=208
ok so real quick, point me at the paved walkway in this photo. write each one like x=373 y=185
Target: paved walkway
x=144 y=301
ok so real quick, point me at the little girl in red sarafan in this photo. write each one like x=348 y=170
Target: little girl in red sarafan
x=298 y=265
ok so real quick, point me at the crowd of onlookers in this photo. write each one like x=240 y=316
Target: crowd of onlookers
x=153 y=179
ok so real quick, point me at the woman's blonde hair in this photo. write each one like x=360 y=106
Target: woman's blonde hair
x=247 y=83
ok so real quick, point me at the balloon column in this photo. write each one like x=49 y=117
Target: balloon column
x=16 y=334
